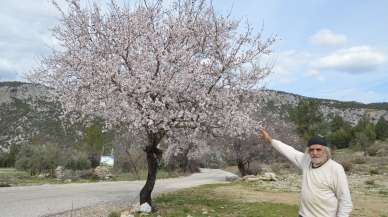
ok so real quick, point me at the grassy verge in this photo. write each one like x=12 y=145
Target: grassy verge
x=204 y=202
x=13 y=177
x=142 y=175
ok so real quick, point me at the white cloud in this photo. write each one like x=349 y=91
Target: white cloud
x=354 y=60
x=354 y=94
x=24 y=35
x=328 y=37
x=7 y=70
x=288 y=66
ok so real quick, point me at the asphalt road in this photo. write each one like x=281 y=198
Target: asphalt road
x=43 y=200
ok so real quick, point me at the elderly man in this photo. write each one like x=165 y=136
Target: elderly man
x=325 y=191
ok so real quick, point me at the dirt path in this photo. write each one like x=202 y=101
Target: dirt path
x=364 y=205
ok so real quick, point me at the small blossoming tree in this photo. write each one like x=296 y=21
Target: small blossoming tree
x=156 y=69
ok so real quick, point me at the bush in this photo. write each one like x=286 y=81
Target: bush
x=114 y=214
x=372 y=151
x=4 y=184
x=370 y=182
x=254 y=168
x=38 y=158
x=382 y=129
x=359 y=160
x=7 y=159
x=78 y=162
x=374 y=171
x=341 y=138
x=276 y=167
x=308 y=118
x=342 y=132
x=347 y=165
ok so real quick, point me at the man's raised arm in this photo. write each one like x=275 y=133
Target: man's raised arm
x=289 y=152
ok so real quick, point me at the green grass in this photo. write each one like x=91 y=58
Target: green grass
x=13 y=177
x=142 y=175
x=201 y=202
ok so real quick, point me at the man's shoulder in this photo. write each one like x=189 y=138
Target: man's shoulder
x=335 y=165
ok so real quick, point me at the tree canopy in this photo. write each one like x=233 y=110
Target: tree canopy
x=157 y=69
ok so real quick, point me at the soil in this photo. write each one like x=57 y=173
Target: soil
x=364 y=205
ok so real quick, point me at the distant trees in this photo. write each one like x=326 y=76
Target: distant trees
x=95 y=140
x=38 y=158
x=242 y=151
x=381 y=129
x=340 y=132
x=309 y=120
x=7 y=159
x=364 y=133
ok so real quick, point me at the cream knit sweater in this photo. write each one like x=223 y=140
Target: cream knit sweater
x=325 y=191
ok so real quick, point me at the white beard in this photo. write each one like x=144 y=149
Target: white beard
x=318 y=161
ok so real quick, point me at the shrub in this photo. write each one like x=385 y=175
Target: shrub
x=370 y=182
x=359 y=160
x=38 y=158
x=114 y=214
x=341 y=132
x=347 y=165
x=78 y=162
x=374 y=171
x=7 y=159
x=4 y=184
x=276 y=167
x=372 y=151
x=382 y=129
x=254 y=168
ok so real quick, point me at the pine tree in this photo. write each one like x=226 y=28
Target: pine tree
x=382 y=129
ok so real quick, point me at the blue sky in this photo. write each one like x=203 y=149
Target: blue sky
x=328 y=49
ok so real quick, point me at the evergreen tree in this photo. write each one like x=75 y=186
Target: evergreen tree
x=341 y=132
x=96 y=142
x=382 y=129
x=364 y=133
x=308 y=119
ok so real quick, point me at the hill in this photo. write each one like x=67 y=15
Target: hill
x=26 y=114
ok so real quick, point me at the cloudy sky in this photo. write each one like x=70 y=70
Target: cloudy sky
x=328 y=49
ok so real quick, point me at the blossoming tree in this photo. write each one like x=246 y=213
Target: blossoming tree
x=156 y=69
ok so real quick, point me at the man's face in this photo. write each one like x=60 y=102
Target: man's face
x=317 y=153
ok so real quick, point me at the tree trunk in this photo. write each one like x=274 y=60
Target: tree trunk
x=153 y=155
x=145 y=193
x=94 y=160
x=241 y=168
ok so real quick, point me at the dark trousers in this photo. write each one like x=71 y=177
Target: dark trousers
x=300 y=216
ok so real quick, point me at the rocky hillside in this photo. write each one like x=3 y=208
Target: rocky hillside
x=352 y=112
x=26 y=114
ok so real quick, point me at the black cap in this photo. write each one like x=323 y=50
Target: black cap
x=317 y=139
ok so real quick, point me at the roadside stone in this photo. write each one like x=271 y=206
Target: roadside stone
x=231 y=178
x=103 y=172
x=145 y=208
x=248 y=177
x=44 y=175
x=60 y=172
x=253 y=179
x=268 y=177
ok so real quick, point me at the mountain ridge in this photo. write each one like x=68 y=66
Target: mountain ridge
x=27 y=115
